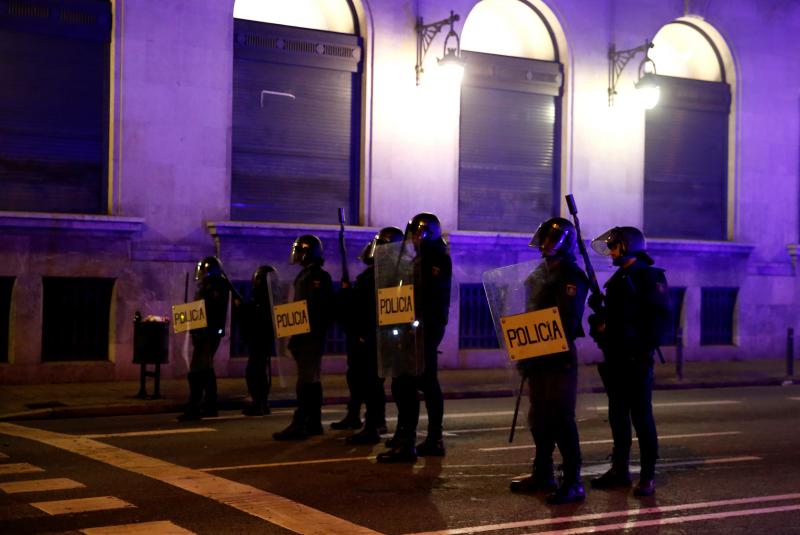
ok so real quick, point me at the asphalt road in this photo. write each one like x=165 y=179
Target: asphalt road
x=730 y=463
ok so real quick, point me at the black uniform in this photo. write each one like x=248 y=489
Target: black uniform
x=552 y=379
x=360 y=324
x=259 y=334
x=433 y=273
x=314 y=285
x=214 y=290
x=637 y=305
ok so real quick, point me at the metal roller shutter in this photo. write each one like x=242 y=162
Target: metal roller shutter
x=54 y=105
x=509 y=143
x=686 y=160
x=296 y=124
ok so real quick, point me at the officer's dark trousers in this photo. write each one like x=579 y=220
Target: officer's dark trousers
x=258 y=376
x=308 y=358
x=630 y=400
x=405 y=388
x=553 y=395
x=371 y=387
x=201 y=377
x=356 y=379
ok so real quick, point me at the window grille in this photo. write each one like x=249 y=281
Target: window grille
x=717 y=309
x=475 y=329
x=75 y=318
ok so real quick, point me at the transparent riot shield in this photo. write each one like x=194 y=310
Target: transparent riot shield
x=289 y=317
x=526 y=323
x=399 y=333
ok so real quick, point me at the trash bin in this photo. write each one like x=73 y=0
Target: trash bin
x=150 y=342
x=150 y=346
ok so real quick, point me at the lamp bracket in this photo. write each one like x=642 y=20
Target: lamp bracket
x=426 y=34
x=618 y=59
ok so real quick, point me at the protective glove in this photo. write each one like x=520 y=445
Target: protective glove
x=597 y=328
x=596 y=301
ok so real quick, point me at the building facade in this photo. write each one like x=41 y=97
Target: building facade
x=138 y=136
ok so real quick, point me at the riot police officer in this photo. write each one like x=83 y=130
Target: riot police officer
x=553 y=379
x=628 y=328
x=433 y=273
x=259 y=334
x=313 y=284
x=213 y=287
x=360 y=323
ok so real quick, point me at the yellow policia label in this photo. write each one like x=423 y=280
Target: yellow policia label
x=534 y=334
x=291 y=319
x=189 y=316
x=396 y=305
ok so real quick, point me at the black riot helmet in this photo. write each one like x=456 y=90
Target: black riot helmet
x=555 y=237
x=306 y=250
x=210 y=266
x=425 y=226
x=630 y=239
x=260 y=279
x=385 y=235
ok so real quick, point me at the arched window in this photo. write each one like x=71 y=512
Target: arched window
x=54 y=99
x=509 y=154
x=686 y=137
x=296 y=112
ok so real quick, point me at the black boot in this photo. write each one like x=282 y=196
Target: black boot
x=403 y=450
x=570 y=490
x=368 y=435
x=432 y=446
x=297 y=429
x=647 y=481
x=617 y=476
x=191 y=412
x=352 y=420
x=314 y=409
x=540 y=480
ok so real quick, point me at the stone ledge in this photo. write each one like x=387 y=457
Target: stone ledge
x=84 y=224
x=250 y=230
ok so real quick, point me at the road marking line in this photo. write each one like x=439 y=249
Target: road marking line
x=286 y=463
x=162 y=527
x=151 y=433
x=82 y=505
x=602 y=468
x=612 y=514
x=3 y=456
x=275 y=509
x=18 y=468
x=610 y=441
x=679 y=404
x=669 y=521
x=40 y=485
x=795 y=399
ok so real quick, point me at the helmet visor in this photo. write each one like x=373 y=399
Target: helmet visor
x=549 y=239
x=606 y=241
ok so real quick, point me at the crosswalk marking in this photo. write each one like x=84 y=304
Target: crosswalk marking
x=285 y=463
x=275 y=509
x=614 y=514
x=156 y=432
x=18 y=468
x=162 y=527
x=81 y=505
x=610 y=441
x=40 y=485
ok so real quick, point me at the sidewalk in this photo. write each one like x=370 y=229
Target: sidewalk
x=19 y=402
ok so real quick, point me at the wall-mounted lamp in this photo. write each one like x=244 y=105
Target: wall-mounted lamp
x=646 y=84
x=451 y=58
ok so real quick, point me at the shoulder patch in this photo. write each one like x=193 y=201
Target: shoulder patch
x=572 y=290
x=316 y=283
x=435 y=271
x=661 y=287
